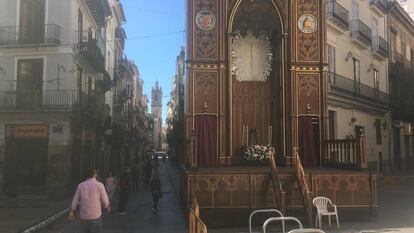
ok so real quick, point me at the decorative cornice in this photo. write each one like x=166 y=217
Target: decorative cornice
x=306 y=68
x=206 y=66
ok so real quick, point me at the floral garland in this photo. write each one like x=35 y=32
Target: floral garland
x=237 y=62
x=258 y=153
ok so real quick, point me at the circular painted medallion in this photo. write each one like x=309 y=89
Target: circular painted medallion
x=307 y=23
x=205 y=20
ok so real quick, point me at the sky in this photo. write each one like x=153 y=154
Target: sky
x=155 y=35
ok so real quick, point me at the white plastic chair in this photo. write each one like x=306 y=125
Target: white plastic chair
x=265 y=211
x=322 y=204
x=307 y=230
x=282 y=219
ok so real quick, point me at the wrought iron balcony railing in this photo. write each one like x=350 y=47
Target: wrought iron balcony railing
x=380 y=46
x=361 y=32
x=379 y=4
x=338 y=14
x=27 y=36
x=399 y=63
x=48 y=101
x=357 y=89
x=92 y=47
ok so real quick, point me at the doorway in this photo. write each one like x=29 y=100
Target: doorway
x=32 y=21
x=396 y=133
x=26 y=159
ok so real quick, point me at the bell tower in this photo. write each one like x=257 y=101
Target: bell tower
x=156 y=108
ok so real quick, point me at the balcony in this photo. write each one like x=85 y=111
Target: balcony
x=99 y=9
x=104 y=82
x=356 y=89
x=380 y=47
x=338 y=15
x=361 y=32
x=400 y=64
x=379 y=5
x=69 y=100
x=92 y=48
x=120 y=36
x=47 y=35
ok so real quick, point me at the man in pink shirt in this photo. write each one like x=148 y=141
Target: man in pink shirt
x=90 y=196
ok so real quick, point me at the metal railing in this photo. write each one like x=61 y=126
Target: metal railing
x=382 y=5
x=303 y=185
x=283 y=220
x=25 y=36
x=380 y=46
x=338 y=14
x=361 y=32
x=280 y=194
x=48 y=101
x=357 y=89
x=265 y=211
x=399 y=62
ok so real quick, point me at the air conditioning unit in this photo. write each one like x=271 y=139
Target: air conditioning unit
x=408 y=129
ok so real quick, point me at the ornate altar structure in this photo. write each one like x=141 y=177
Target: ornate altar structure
x=257 y=74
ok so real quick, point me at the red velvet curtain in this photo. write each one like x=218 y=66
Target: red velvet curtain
x=205 y=127
x=307 y=148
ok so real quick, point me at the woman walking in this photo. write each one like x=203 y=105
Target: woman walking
x=110 y=185
x=124 y=189
x=155 y=188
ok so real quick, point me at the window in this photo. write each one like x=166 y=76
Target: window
x=393 y=39
x=332 y=125
x=375 y=39
x=80 y=25
x=357 y=75
x=32 y=21
x=376 y=79
x=331 y=61
x=403 y=47
x=355 y=10
x=29 y=83
x=412 y=55
x=378 y=131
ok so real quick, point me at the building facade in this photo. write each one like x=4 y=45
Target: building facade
x=358 y=90
x=70 y=100
x=401 y=72
x=175 y=112
x=52 y=93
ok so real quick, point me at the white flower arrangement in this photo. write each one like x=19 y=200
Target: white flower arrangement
x=259 y=153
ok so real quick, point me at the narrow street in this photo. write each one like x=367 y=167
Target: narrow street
x=140 y=218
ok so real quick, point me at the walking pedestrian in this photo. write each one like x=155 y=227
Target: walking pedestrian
x=155 y=188
x=148 y=170
x=90 y=196
x=124 y=189
x=110 y=185
x=155 y=162
x=134 y=178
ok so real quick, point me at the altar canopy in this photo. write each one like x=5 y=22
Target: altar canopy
x=255 y=68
